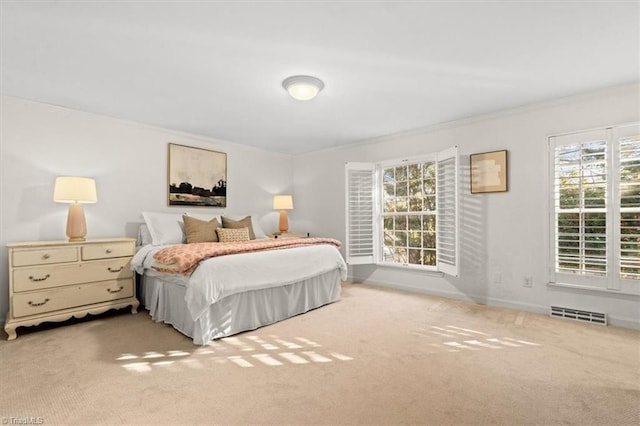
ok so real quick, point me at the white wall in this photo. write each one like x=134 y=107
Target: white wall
x=501 y=233
x=129 y=162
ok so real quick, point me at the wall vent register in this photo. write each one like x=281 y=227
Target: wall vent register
x=578 y=315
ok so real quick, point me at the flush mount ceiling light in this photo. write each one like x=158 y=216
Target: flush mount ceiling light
x=303 y=87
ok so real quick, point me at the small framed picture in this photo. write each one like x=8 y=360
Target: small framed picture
x=489 y=172
x=197 y=177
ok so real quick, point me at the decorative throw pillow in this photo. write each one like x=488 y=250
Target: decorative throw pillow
x=200 y=231
x=231 y=235
x=242 y=223
x=255 y=224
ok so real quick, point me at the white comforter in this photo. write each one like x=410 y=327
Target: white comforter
x=219 y=277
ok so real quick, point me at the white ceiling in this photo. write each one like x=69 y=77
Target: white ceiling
x=215 y=68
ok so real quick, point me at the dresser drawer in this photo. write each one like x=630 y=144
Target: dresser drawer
x=43 y=277
x=42 y=256
x=107 y=250
x=39 y=302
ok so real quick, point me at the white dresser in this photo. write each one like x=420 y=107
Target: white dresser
x=55 y=280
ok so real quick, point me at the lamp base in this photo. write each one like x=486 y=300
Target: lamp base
x=284 y=221
x=76 y=223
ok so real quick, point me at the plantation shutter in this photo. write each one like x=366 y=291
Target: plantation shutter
x=447 y=252
x=360 y=209
x=581 y=198
x=626 y=212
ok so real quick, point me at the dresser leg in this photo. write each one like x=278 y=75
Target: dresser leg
x=134 y=307
x=11 y=332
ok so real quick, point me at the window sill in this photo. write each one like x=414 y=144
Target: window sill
x=593 y=289
x=413 y=268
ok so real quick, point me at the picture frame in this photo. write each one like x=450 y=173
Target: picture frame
x=489 y=172
x=196 y=177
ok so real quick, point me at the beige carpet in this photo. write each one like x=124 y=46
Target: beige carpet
x=376 y=357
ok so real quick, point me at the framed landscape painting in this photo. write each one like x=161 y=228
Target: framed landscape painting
x=197 y=177
x=489 y=172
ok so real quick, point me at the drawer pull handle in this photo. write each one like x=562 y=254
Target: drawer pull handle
x=115 y=291
x=33 y=304
x=38 y=279
x=115 y=270
x=108 y=251
x=46 y=256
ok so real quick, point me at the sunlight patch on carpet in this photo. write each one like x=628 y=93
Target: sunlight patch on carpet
x=178 y=353
x=456 y=339
x=453 y=327
x=125 y=357
x=293 y=358
x=267 y=359
x=234 y=351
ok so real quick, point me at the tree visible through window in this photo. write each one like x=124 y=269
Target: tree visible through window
x=581 y=174
x=409 y=213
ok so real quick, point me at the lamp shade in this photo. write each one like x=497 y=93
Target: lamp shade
x=283 y=202
x=71 y=189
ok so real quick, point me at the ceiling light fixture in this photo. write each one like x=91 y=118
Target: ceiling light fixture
x=303 y=87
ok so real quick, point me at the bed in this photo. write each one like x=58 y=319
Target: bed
x=228 y=294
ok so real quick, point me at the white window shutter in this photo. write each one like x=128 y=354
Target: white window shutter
x=625 y=210
x=360 y=209
x=581 y=231
x=448 y=254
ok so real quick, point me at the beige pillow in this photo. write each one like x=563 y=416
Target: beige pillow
x=200 y=231
x=242 y=223
x=232 y=235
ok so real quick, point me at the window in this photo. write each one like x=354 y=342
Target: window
x=404 y=212
x=409 y=213
x=595 y=233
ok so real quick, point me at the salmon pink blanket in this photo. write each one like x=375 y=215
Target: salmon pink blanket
x=184 y=258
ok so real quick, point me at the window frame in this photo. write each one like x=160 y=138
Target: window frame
x=449 y=157
x=379 y=211
x=611 y=282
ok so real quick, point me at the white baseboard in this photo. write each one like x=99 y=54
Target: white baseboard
x=489 y=301
x=623 y=322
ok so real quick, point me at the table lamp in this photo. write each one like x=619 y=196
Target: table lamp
x=75 y=190
x=283 y=203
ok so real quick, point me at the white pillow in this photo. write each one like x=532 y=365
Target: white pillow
x=255 y=224
x=144 y=236
x=165 y=228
